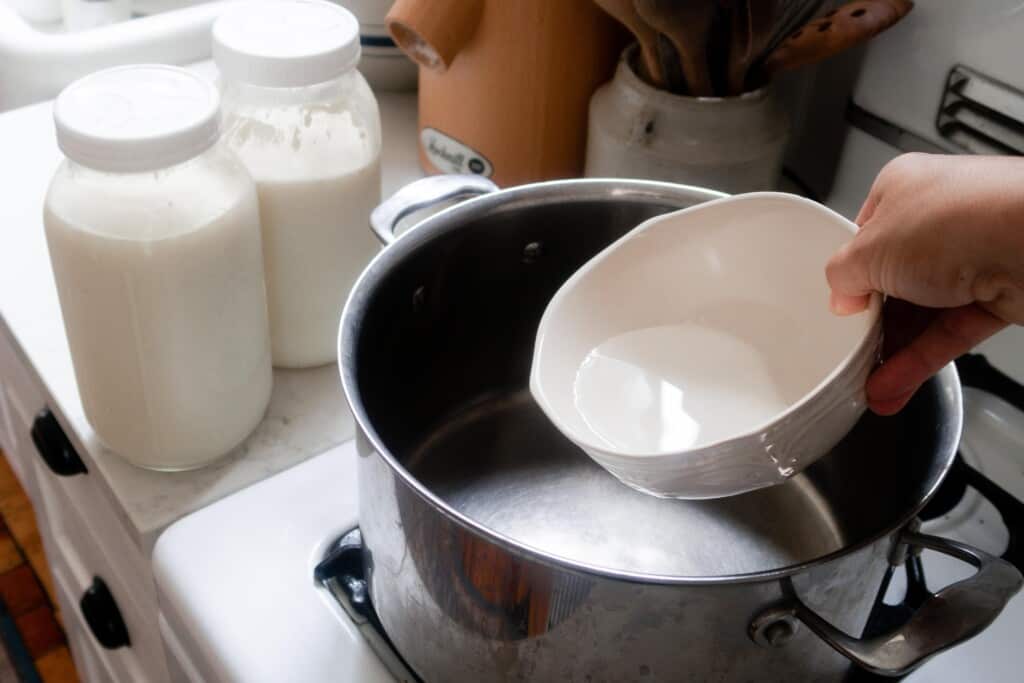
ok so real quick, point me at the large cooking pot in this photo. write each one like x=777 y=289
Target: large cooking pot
x=498 y=551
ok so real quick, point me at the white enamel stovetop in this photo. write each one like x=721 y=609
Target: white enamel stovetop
x=240 y=603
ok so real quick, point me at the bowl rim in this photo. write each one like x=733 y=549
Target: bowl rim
x=868 y=337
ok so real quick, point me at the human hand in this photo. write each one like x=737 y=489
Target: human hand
x=945 y=233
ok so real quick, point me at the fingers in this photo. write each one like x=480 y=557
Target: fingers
x=849 y=277
x=886 y=177
x=867 y=210
x=848 y=271
x=953 y=332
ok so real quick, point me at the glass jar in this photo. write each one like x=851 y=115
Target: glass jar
x=153 y=232
x=304 y=121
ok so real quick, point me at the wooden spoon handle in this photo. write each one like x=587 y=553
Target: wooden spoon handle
x=687 y=24
x=652 y=63
x=624 y=12
x=852 y=24
x=740 y=47
x=695 y=67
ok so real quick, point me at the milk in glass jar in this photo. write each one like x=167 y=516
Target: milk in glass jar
x=304 y=121
x=154 y=237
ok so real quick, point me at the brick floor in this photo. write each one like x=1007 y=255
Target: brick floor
x=26 y=587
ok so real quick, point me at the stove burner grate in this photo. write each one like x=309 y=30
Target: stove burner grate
x=341 y=572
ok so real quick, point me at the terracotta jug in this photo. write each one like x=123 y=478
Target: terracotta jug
x=505 y=84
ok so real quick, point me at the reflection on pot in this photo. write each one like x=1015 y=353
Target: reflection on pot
x=483 y=587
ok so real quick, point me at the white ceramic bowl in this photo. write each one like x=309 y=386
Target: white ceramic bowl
x=696 y=357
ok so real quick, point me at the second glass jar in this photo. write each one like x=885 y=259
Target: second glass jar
x=306 y=124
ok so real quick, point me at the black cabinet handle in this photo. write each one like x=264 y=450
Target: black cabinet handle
x=104 y=618
x=54 y=446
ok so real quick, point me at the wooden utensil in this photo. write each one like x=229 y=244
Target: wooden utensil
x=720 y=43
x=753 y=22
x=739 y=43
x=671 y=66
x=789 y=16
x=850 y=25
x=687 y=24
x=625 y=13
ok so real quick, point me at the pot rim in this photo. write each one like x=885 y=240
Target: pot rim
x=550 y=192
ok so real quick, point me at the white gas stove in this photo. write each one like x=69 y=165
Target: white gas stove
x=239 y=601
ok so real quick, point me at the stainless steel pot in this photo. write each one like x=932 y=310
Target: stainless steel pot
x=497 y=551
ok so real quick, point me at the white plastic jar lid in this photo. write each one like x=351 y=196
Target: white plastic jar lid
x=285 y=43
x=137 y=118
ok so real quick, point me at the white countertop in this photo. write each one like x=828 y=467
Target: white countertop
x=307 y=413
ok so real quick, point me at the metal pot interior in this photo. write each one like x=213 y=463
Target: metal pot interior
x=436 y=347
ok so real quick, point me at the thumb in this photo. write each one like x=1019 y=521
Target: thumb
x=849 y=277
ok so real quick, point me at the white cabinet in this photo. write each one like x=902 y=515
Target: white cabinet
x=19 y=398
x=100 y=575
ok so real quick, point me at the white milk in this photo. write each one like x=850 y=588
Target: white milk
x=643 y=392
x=161 y=285
x=306 y=124
x=315 y=204
x=310 y=278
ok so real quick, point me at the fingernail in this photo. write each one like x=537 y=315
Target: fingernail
x=840 y=304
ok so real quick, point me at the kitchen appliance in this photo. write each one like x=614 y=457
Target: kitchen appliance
x=504 y=86
x=493 y=549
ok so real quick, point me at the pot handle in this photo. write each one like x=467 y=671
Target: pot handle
x=423 y=193
x=956 y=613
